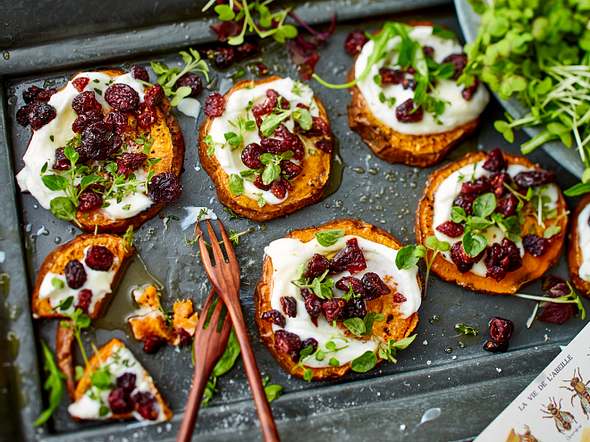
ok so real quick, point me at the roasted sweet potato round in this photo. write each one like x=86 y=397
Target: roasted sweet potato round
x=574 y=255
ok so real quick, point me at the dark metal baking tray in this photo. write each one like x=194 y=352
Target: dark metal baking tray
x=469 y=386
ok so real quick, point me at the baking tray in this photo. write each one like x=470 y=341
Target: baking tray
x=449 y=375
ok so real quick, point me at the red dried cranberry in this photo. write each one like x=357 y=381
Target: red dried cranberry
x=290 y=141
x=251 y=156
x=258 y=183
x=374 y=286
x=144 y=403
x=495 y=347
x=348 y=282
x=290 y=169
x=45 y=94
x=98 y=142
x=354 y=308
x=86 y=102
x=40 y=114
x=461 y=259
x=288 y=343
x=476 y=187
x=140 y=73
x=118 y=120
x=154 y=95
x=535 y=245
x=30 y=94
x=22 y=115
x=354 y=42
x=130 y=162
x=465 y=201
x=122 y=97
x=391 y=76
x=349 y=258
x=226 y=29
x=261 y=69
x=84 y=300
x=127 y=382
x=399 y=298
x=311 y=343
x=428 y=51
x=75 y=274
x=146 y=116
x=498 y=182
x=266 y=107
x=164 y=187
x=61 y=161
x=451 y=229
x=502 y=258
x=500 y=333
x=468 y=92
x=224 y=57
x=313 y=305
x=193 y=81
x=80 y=83
x=556 y=313
x=89 y=201
x=84 y=120
x=118 y=401
x=333 y=308
x=459 y=62
x=554 y=286
x=407 y=112
x=274 y=317
x=495 y=161
x=507 y=205
x=99 y=258
x=152 y=344
x=316 y=266
x=289 y=306
x=325 y=145
x=246 y=50
x=319 y=128
x=534 y=178
x=184 y=337
x=279 y=188
x=214 y=105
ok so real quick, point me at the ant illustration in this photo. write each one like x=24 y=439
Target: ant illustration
x=562 y=419
x=580 y=390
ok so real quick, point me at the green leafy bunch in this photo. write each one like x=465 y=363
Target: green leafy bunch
x=254 y=16
x=537 y=52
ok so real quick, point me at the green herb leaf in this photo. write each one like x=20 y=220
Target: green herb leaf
x=364 y=362
x=236 y=184
x=53 y=384
x=303 y=117
x=474 y=243
x=327 y=238
x=57 y=283
x=484 y=205
x=62 y=208
x=356 y=326
x=433 y=243
x=308 y=375
x=333 y=362
x=466 y=329
x=54 y=182
x=273 y=391
x=272 y=121
x=408 y=256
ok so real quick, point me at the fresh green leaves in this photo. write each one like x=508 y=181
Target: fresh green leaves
x=54 y=385
x=272 y=391
x=236 y=184
x=327 y=238
x=271 y=121
x=303 y=118
x=466 y=329
x=272 y=165
x=484 y=205
x=364 y=362
x=102 y=378
x=408 y=256
x=570 y=298
x=388 y=351
x=474 y=243
x=223 y=365
x=364 y=326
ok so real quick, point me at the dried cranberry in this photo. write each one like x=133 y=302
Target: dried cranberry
x=495 y=347
x=498 y=182
x=502 y=258
x=459 y=61
x=261 y=69
x=399 y=298
x=224 y=57
x=75 y=274
x=554 y=287
x=164 y=187
x=266 y=107
x=288 y=343
x=316 y=266
x=154 y=95
x=468 y=92
x=349 y=258
x=313 y=305
x=40 y=114
x=495 y=161
x=193 y=81
x=354 y=308
x=391 y=76
x=451 y=229
x=226 y=29
x=535 y=245
x=184 y=337
x=146 y=116
x=251 y=156
x=333 y=308
x=311 y=343
x=127 y=382
x=289 y=306
x=461 y=259
x=290 y=169
x=556 y=313
x=98 y=142
x=118 y=120
x=86 y=102
x=140 y=73
x=428 y=51
x=507 y=205
x=465 y=201
x=89 y=201
x=99 y=258
x=152 y=344
x=61 y=161
x=374 y=286
x=214 y=105
x=274 y=317
x=84 y=120
x=122 y=97
x=350 y=282
x=144 y=403
x=290 y=141
x=258 y=183
x=354 y=42
x=325 y=145
x=30 y=94
x=500 y=333
x=84 y=300
x=22 y=115
x=279 y=188
x=130 y=162
x=118 y=401
x=534 y=178
x=407 y=112
x=246 y=50
x=476 y=187
x=80 y=83
x=319 y=128
x=409 y=83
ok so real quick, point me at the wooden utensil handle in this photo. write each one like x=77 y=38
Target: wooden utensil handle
x=193 y=403
x=267 y=423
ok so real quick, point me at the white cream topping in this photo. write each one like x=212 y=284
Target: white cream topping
x=119 y=362
x=288 y=254
x=584 y=242
x=458 y=111
x=99 y=282
x=58 y=132
x=235 y=107
x=450 y=188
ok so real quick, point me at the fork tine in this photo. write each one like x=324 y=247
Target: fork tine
x=229 y=250
x=217 y=252
x=203 y=248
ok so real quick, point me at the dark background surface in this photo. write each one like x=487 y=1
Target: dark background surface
x=470 y=386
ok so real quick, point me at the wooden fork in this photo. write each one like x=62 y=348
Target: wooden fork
x=211 y=337
x=225 y=277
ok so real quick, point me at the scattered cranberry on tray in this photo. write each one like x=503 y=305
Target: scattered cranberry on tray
x=500 y=333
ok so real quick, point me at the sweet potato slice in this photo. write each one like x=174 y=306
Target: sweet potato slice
x=574 y=255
